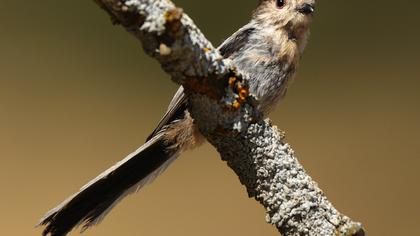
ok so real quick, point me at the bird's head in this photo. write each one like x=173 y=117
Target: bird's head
x=292 y=16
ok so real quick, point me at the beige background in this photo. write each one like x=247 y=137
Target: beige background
x=77 y=95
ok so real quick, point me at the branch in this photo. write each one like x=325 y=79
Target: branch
x=225 y=113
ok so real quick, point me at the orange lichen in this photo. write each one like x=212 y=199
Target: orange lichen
x=173 y=23
x=204 y=86
x=243 y=94
x=232 y=81
x=236 y=85
x=236 y=105
x=174 y=14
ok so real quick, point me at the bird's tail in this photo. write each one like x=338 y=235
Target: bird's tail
x=88 y=206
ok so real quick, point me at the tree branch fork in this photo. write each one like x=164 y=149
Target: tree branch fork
x=226 y=115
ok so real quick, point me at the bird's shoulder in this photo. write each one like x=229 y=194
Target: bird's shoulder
x=237 y=41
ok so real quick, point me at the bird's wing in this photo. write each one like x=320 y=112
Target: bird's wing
x=235 y=42
x=175 y=111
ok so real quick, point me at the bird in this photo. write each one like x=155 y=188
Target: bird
x=267 y=50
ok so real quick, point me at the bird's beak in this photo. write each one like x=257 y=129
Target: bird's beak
x=306 y=9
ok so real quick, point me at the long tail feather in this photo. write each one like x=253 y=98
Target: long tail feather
x=96 y=199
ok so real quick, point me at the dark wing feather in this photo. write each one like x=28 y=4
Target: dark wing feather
x=95 y=199
x=175 y=111
x=235 y=42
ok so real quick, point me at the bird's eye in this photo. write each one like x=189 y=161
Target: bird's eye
x=280 y=3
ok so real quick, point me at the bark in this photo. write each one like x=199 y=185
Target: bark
x=225 y=113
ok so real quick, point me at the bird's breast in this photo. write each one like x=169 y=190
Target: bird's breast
x=268 y=76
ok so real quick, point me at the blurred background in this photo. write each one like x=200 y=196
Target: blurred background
x=77 y=94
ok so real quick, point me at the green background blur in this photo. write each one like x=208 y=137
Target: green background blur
x=77 y=94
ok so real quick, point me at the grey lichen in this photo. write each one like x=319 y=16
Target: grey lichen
x=192 y=55
x=251 y=146
x=294 y=202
